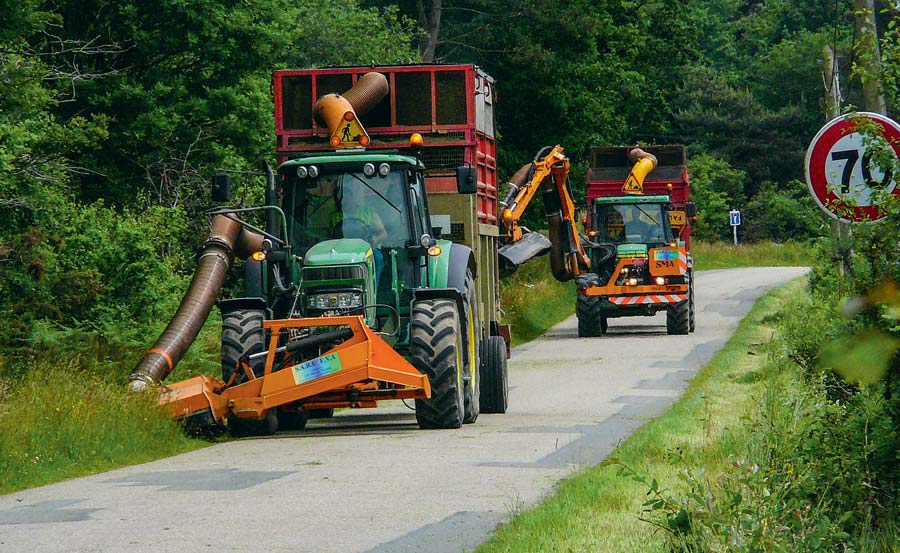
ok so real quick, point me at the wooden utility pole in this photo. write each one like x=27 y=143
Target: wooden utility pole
x=869 y=54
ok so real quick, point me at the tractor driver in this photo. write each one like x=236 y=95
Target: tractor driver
x=358 y=218
x=636 y=229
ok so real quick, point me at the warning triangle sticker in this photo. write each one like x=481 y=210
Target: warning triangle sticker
x=632 y=186
x=349 y=134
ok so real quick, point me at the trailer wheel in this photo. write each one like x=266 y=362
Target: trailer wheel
x=494 y=376
x=436 y=350
x=472 y=394
x=692 y=324
x=242 y=334
x=678 y=317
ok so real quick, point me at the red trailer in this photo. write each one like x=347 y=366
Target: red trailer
x=457 y=126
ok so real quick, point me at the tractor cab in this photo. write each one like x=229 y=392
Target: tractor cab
x=359 y=223
x=632 y=220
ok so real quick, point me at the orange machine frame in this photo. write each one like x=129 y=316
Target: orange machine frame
x=354 y=371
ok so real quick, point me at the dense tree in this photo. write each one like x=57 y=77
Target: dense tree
x=112 y=118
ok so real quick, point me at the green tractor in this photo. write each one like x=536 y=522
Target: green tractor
x=351 y=297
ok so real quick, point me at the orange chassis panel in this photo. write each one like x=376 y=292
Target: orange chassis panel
x=611 y=290
x=348 y=375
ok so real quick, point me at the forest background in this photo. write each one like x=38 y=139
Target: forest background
x=114 y=116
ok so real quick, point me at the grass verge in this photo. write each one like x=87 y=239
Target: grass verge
x=61 y=420
x=722 y=255
x=600 y=510
x=533 y=300
x=65 y=411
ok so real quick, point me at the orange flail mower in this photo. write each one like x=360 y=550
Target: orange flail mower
x=356 y=368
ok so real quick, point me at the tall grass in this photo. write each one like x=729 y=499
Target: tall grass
x=60 y=419
x=533 y=301
x=724 y=255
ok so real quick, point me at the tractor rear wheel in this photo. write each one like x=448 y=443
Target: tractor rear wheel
x=494 y=376
x=472 y=394
x=242 y=334
x=436 y=349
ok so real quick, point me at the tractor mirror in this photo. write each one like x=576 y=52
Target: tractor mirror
x=221 y=187
x=690 y=209
x=466 y=183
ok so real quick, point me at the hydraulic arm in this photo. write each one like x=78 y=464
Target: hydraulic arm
x=548 y=172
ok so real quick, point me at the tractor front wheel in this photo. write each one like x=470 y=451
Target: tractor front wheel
x=242 y=334
x=591 y=321
x=266 y=426
x=678 y=316
x=436 y=349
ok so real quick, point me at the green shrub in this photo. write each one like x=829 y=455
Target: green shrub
x=782 y=213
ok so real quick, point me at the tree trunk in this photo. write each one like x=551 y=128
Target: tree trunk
x=430 y=20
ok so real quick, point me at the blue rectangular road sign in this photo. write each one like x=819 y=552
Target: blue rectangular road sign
x=735 y=216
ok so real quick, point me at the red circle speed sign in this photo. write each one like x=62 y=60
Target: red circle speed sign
x=840 y=171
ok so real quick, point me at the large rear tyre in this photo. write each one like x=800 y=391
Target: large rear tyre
x=242 y=334
x=494 y=376
x=472 y=393
x=436 y=349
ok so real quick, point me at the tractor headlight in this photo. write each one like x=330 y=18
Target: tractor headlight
x=369 y=169
x=313 y=171
x=384 y=169
x=335 y=300
x=302 y=172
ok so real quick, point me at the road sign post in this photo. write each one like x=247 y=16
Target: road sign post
x=841 y=171
x=734 y=217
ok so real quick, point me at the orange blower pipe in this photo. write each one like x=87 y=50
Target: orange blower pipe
x=363 y=96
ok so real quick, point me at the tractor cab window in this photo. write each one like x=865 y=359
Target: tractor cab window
x=348 y=205
x=632 y=223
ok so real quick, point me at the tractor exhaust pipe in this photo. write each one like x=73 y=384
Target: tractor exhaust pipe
x=227 y=238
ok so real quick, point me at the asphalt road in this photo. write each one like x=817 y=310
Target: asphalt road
x=370 y=481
